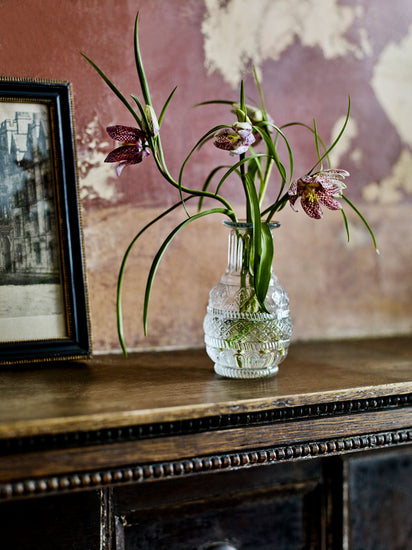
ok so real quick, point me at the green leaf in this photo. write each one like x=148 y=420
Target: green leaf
x=214 y=101
x=183 y=189
x=363 y=220
x=197 y=144
x=327 y=152
x=345 y=221
x=274 y=207
x=260 y=252
x=165 y=106
x=120 y=277
x=259 y=87
x=242 y=117
x=114 y=89
x=143 y=114
x=317 y=144
x=139 y=64
x=236 y=166
x=289 y=124
x=162 y=250
x=265 y=264
x=208 y=181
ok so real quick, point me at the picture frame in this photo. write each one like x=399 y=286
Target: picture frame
x=43 y=292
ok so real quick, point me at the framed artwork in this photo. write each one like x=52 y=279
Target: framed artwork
x=43 y=297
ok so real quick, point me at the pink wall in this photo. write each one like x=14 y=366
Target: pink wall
x=310 y=62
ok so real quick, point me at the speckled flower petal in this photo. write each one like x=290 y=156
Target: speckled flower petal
x=328 y=200
x=318 y=189
x=312 y=207
x=245 y=131
x=125 y=134
x=125 y=153
x=226 y=139
x=236 y=139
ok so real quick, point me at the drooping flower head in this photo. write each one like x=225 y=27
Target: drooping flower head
x=255 y=116
x=133 y=148
x=235 y=139
x=322 y=188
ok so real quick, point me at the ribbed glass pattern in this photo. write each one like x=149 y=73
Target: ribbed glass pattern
x=241 y=339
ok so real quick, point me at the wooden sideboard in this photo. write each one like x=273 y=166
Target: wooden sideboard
x=157 y=452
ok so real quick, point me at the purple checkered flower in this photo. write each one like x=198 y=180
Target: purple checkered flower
x=322 y=188
x=133 y=148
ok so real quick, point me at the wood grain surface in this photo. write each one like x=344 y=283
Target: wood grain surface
x=111 y=391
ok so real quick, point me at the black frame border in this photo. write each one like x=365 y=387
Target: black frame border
x=78 y=344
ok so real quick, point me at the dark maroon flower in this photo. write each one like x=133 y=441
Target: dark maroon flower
x=133 y=149
x=323 y=188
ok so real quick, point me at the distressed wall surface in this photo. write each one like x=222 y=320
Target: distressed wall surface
x=310 y=55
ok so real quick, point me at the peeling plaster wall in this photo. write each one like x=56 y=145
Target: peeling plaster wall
x=310 y=55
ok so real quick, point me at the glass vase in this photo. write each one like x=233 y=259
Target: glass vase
x=242 y=339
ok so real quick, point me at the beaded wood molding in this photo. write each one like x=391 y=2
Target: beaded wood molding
x=213 y=463
x=201 y=464
x=199 y=425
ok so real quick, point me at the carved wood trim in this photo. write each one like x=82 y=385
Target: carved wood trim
x=205 y=464
x=121 y=434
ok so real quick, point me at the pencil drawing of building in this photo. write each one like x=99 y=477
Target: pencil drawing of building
x=29 y=246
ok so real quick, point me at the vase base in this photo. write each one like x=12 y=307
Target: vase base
x=245 y=373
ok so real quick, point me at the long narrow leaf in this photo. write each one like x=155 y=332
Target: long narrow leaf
x=197 y=144
x=165 y=106
x=214 y=101
x=289 y=124
x=345 y=221
x=315 y=131
x=242 y=99
x=258 y=273
x=114 y=89
x=273 y=153
x=363 y=220
x=162 y=250
x=208 y=181
x=143 y=114
x=259 y=87
x=327 y=152
x=236 y=166
x=139 y=64
x=266 y=259
x=122 y=271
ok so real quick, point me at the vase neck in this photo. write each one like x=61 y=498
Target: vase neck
x=238 y=254
x=240 y=248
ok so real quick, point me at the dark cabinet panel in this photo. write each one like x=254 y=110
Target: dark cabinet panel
x=52 y=523
x=380 y=501
x=273 y=507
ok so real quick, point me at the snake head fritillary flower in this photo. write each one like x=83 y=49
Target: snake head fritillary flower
x=322 y=188
x=133 y=148
x=235 y=139
x=255 y=116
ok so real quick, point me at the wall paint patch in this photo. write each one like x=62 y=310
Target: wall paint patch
x=233 y=41
x=96 y=178
x=391 y=190
x=392 y=83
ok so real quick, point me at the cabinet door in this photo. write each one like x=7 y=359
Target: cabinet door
x=51 y=523
x=269 y=507
x=380 y=501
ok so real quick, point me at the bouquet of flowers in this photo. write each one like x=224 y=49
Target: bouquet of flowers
x=253 y=128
